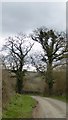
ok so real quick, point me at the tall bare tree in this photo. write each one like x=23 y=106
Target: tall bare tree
x=17 y=50
x=54 y=45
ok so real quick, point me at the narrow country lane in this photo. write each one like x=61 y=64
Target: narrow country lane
x=49 y=108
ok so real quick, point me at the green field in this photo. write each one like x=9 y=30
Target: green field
x=20 y=106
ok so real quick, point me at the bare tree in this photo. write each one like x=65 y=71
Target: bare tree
x=17 y=50
x=37 y=63
x=54 y=45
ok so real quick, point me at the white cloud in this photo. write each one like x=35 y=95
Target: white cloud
x=1 y=42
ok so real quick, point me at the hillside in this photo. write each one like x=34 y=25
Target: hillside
x=34 y=82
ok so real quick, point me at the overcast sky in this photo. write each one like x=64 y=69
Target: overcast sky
x=26 y=16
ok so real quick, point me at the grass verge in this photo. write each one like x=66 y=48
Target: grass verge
x=20 y=106
x=62 y=98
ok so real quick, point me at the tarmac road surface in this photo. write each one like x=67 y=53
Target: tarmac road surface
x=49 y=108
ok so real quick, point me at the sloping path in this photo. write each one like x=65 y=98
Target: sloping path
x=49 y=108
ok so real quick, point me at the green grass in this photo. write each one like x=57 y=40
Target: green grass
x=62 y=98
x=21 y=106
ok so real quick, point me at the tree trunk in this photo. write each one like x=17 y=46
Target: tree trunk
x=49 y=78
x=19 y=85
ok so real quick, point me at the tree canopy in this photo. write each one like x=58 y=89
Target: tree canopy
x=17 y=50
x=54 y=45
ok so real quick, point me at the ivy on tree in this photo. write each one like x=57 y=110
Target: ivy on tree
x=54 y=45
